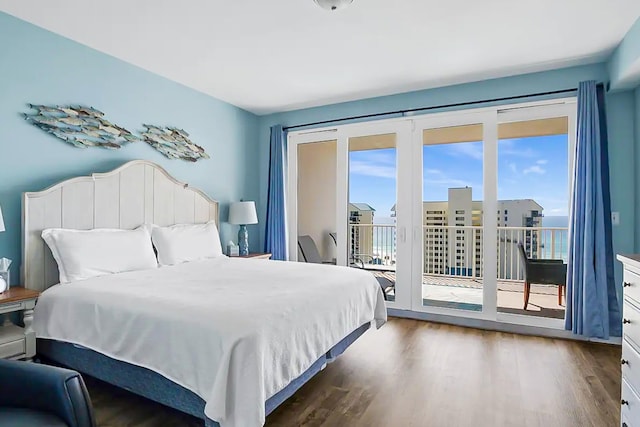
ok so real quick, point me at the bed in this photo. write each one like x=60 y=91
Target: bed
x=223 y=339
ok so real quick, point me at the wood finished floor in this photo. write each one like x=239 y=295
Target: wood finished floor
x=414 y=373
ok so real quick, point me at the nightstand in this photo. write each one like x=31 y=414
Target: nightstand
x=257 y=256
x=17 y=342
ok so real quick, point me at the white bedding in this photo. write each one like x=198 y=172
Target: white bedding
x=233 y=331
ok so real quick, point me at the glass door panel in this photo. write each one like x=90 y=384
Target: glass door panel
x=533 y=204
x=452 y=217
x=371 y=217
x=316 y=204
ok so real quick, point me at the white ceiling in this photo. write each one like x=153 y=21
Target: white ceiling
x=277 y=55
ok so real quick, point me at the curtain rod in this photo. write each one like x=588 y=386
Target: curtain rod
x=411 y=110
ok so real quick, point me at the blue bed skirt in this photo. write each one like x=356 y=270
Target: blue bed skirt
x=149 y=384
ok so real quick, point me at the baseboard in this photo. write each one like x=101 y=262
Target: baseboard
x=491 y=325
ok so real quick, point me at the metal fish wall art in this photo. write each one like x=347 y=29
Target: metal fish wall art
x=79 y=126
x=174 y=143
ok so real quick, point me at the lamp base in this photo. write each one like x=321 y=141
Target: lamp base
x=243 y=240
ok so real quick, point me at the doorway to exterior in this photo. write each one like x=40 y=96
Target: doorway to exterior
x=446 y=209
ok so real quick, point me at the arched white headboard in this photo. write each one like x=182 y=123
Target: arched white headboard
x=136 y=193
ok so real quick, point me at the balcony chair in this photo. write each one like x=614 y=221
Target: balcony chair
x=357 y=261
x=542 y=272
x=309 y=250
x=33 y=395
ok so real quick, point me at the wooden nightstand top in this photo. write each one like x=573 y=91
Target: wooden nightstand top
x=17 y=293
x=257 y=255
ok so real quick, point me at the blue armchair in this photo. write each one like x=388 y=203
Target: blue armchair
x=38 y=395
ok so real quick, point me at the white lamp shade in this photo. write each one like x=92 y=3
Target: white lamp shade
x=1 y=221
x=243 y=213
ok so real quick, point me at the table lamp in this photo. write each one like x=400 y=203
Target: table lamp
x=4 y=281
x=243 y=213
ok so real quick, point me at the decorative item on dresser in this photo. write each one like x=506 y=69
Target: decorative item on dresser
x=17 y=342
x=630 y=401
x=242 y=214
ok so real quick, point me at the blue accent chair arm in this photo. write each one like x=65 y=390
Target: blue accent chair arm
x=57 y=391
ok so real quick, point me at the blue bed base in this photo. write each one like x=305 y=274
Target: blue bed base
x=153 y=386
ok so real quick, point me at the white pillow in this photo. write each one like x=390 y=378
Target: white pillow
x=82 y=254
x=186 y=242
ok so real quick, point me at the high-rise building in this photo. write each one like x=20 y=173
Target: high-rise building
x=453 y=233
x=361 y=238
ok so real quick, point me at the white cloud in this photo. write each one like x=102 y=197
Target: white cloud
x=375 y=156
x=534 y=169
x=446 y=183
x=542 y=162
x=433 y=171
x=358 y=167
x=558 y=211
x=442 y=180
x=507 y=147
x=471 y=150
x=513 y=167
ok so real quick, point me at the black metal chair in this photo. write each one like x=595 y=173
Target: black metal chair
x=33 y=395
x=542 y=272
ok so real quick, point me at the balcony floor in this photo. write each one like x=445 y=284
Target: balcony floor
x=466 y=293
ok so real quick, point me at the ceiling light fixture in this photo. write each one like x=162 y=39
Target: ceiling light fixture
x=333 y=4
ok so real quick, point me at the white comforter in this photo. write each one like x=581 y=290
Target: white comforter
x=233 y=331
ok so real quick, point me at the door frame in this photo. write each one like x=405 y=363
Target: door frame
x=487 y=118
x=407 y=169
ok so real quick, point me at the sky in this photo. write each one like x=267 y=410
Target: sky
x=528 y=168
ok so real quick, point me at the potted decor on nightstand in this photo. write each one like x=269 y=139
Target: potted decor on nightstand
x=4 y=263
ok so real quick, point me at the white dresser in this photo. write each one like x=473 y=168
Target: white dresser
x=630 y=401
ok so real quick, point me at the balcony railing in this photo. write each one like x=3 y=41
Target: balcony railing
x=539 y=243
x=373 y=245
x=458 y=251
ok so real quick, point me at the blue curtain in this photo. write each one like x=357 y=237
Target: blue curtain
x=592 y=303
x=276 y=227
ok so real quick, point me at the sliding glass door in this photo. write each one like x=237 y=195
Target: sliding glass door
x=437 y=207
x=453 y=192
x=377 y=213
x=535 y=152
x=349 y=202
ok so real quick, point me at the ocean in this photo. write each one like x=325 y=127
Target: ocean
x=384 y=238
x=560 y=247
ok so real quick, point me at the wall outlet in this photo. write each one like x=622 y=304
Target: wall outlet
x=615 y=218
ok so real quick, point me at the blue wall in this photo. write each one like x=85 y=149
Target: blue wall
x=624 y=64
x=39 y=67
x=622 y=146
x=636 y=169
x=621 y=113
